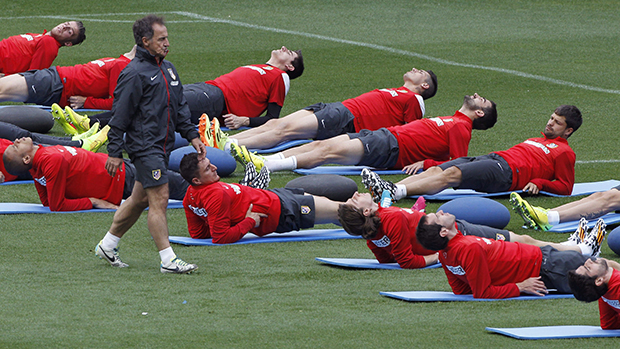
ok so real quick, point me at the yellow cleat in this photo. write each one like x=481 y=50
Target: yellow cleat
x=87 y=134
x=94 y=142
x=59 y=116
x=81 y=122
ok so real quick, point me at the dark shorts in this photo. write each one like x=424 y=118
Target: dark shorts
x=482 y=231
x=297 y=209
x=44 y=86
x=555 y=266
x=487 y=173
x=177 y=186
x=380 y=148
x=204 y=98
x=617 y=188
x=151 y=170
x=334 y=119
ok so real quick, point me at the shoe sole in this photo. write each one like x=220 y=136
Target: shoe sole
x=176 y=271
x=520 y=207
x=99 y=253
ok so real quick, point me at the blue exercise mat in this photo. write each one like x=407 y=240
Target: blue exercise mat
x=578 y=189
x=441 y=296
x=50 y=108
x=343 y=170
x=303 y=235
x=569 y=227
x=555 y=332
x=18 y=208
x=359 y=263
x=25 y=181
x=282 y=146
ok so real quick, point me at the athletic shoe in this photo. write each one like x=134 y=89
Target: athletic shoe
x=579 y=235
x=80 y=122
x=253 y=179
x=177 y=266
x=386 y=199
x=204 y=130
x=110 y=256
x=596 y=236
x=88 y=133
x=244 y=157
x=376 y=185
x=420 y=204
x=94 y=142
x=59 y=116
x=534 y=217
x=219 y=138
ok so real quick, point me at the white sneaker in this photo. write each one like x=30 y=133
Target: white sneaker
x=177 y=266
x=596 y=236
x=110 y=256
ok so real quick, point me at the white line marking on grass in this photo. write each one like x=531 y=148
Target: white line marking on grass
x=597 y=161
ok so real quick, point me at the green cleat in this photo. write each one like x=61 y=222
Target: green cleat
x=533 y=216
x=59 y=116
x=94 y=142
x=243 y=156
x=88 y=133
x=81 y=122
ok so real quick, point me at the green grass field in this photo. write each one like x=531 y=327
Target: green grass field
x=528 y=56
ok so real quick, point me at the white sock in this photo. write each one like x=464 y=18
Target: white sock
x=167 y=254
x=585 y=249
x=553 y=217
x=276 y=156
x=401 y=191
x=227 y=144
x=569 y=243
x=285 y=164
x=110 y=241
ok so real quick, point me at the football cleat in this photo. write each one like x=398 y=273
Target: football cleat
x=94 y=142
x=579 y=235
x=376 y=185
x=204 y=126
x=80 y=122
x=59 y=116
x=253 y=179
x=243 y=156
x=87 y=134
x=596 y=236
x=177 y=266
x=534 y=217
x=110 y=256
x=219 y=138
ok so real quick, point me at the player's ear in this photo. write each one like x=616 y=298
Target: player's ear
x=27 y=159
x=289 y=67
x=196 y=181
x=599 y=281
x=424 y=85
x=479 y=113
x=443 y=232
x=68 y=43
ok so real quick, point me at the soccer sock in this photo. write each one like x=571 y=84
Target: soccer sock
x=285 y=164
x=110 y=241
x=585 y=249
x=401 y=191
x=553 y=217
x=227 y=144
x=569 y=243
x=167 y=254
x=276 y=156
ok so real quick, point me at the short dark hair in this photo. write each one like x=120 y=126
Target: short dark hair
x=355 y=223
x=572 y=115
x=428 y=236
x=15 y=166
x=298 y=63
x=189 y=167
x=81 y=34
x=143 y=28
x=488 y=120
x=432 y=86
x=584 y=287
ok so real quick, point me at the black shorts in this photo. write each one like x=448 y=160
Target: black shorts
x=555 y=266
x=482 y=231
x=151 y=170
x=204 y=98
x=380 y=148
x=296 y=209
x=334 y=119
x=487 y=173
x=44 y=86
x=177 y=186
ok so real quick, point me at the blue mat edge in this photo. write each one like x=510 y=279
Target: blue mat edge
x=469 y=298
x=508 y=332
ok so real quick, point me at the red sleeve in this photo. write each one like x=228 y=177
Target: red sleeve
x=98 y=103
x=222 y=232
x=56 y=170
x=412 y=110
x=458 y=286
x=564 y=167
x=44 y=53
x=277 y=92
x=475 y=264
x=401 y=243
x=458 y=143
x=610 y=318
x=381 y=254
x=196 y=226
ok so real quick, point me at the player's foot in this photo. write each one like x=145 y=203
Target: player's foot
x=253 y=179
x=94 y=142
x=80 y=122
x=177 y=266
x=59 y=116
x=579 y=235
x=534 y=217
x=420 y=204
x=110 y=256
x=243 y=156
x=94 y=129
x=376 y=185
x=219 y=138
x=204 y=130
x=596 y=236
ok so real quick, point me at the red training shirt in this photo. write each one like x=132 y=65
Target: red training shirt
x=609 y=304
x=24 y=52
x=4 y=143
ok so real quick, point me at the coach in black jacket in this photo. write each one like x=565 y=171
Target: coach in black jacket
x=148 y=107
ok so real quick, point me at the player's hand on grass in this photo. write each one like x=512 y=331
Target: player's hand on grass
x=414 y=168
x=77 y=102
x=233 y=121
x=533 y=286
x=98 y=203
x=256 y=216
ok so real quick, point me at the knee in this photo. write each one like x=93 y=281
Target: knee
x=611 y=197
x=452 y=175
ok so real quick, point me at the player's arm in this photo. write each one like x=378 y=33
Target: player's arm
x=401 y=243
x=219 y=208
x=610 y=318
x=564 y=167
x=458 y=144
x=475 y=264
x=412 y=110
x=273 y=112
x=56 y=173
x=197 y=226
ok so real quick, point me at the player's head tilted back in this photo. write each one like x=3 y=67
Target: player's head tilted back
x=431 y=234
x=18 y=157
x=357 y=216
x=197 y=169
x=432 y=85
x=292 y=62
x=483 y=110
x=423 y=82
x=588 y=281
x=298 y=65
x=69 y=33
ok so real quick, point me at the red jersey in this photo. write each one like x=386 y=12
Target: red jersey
x=218 y=210
x=548 y=163
x=396 y=240
x=24 y=52
x=66 y=177
x=385 y=107
x=95 y=80
x=488 y=268
x=4 y=143
x=434 y=140
x=249 y=89
x=609 y=304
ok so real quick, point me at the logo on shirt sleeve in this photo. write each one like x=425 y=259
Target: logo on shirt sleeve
x=383 y=242
x=458 y=270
